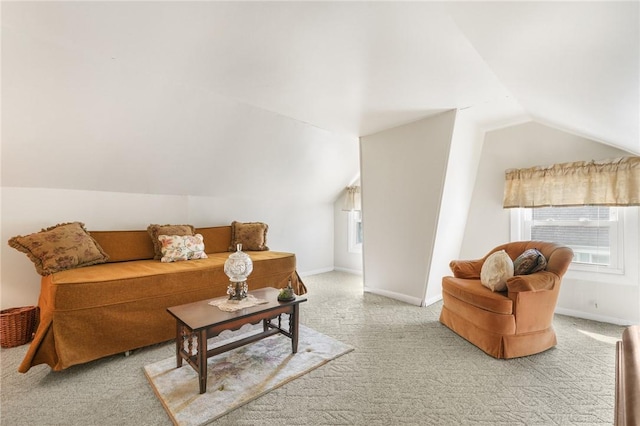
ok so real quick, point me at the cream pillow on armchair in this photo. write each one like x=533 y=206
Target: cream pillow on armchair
x=496 y=270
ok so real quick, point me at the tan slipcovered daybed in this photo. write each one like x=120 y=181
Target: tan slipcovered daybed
x=511 y=323
x=94 y=311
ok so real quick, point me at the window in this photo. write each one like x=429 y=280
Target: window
x=355 y=231
x=593 y=232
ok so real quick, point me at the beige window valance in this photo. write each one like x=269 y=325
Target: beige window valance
x=606 y=183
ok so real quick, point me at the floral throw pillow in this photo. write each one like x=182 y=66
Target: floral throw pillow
x=181 y=247
x=155 y=230
x=60 y=247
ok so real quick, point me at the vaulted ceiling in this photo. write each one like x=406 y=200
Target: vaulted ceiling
x=354 y=68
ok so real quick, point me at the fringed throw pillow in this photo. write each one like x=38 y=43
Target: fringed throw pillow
x=60 y=247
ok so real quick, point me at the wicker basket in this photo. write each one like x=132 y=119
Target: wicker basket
x=17 y=325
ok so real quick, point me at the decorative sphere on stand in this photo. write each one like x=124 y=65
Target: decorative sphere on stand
x=238 y=267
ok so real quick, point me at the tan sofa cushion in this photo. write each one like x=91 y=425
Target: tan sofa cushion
x=125 y=245
x=216 y=238
x=137 y=245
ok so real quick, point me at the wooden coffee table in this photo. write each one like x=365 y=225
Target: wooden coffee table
x=201 y=321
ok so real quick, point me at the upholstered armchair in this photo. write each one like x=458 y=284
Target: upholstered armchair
x=512 y=323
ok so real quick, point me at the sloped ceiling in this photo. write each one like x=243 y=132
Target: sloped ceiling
x=571 y=65
x=287 y=87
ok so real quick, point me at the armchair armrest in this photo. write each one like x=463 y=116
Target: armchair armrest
x=543 y=280
x=466 y=269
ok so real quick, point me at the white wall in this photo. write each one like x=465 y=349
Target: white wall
x=302 y=228
x=462 y=165
x=402 y=174
x=94 y=136
x=74 y=117
x=488 y=224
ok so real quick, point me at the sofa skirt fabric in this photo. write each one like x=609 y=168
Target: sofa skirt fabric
x=101 y=310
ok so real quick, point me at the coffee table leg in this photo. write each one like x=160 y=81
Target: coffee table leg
x=202 y=360
x=295 y=320
x=178 y=344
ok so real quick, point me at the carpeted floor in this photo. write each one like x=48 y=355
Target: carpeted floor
x=406 y=369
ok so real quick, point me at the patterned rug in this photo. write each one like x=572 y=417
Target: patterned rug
x=238 y=376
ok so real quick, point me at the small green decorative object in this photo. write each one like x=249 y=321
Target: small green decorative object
x=286 y=294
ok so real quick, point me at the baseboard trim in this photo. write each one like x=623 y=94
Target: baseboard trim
x=315 y=271
x=347 y=270
x=592 y=317
x=393 y=295
x=433 y=300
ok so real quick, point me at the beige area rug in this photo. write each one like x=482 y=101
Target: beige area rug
x=238 y=376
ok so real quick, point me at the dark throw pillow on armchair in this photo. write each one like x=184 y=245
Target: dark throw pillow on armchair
x=529 y=262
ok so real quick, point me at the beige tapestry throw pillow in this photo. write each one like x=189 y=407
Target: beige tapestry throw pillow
x=60 y=247
x=496 y=270
x=252 y=236
x=529 y=262
x=155 y=230
x=182 y=247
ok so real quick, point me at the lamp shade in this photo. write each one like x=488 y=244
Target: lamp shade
x=238 y=266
